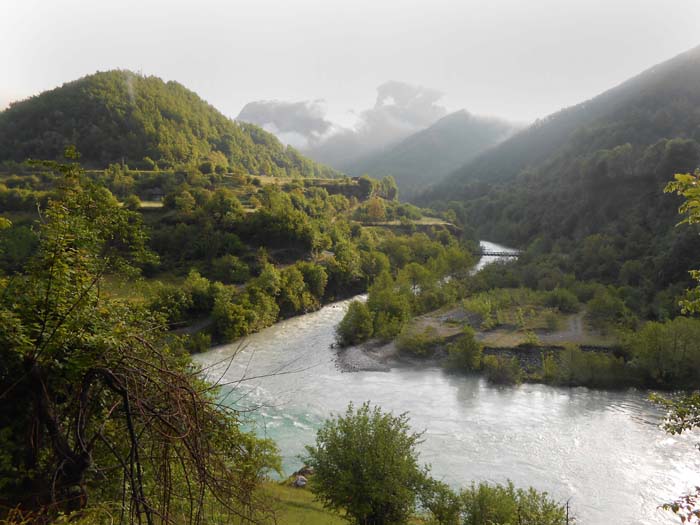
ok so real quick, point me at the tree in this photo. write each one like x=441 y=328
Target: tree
x=465 y=353
x=688 y=186
x=485 y=504
x=132 y=202
x=356 y=325
x=366 y=464
x=684 y=412
x=375 y=209
x=95 y=405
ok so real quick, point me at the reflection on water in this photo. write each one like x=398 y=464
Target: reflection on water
x=603 y=450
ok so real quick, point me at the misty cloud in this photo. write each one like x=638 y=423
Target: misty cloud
x=400 y=109
x=301 y=124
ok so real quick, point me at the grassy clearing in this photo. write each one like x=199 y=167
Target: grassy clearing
x=138 y=290
x=297 y=507
x=511 y=317
x=151 y=204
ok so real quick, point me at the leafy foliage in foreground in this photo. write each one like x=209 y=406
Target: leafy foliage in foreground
x=365 y=463
x=684 y=412
x=688 y=186
x=484 y=504
x=95 y=406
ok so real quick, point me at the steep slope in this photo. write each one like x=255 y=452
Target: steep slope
x=429 y=155
x=587 y=185
x=118 y=115
x=660 y=103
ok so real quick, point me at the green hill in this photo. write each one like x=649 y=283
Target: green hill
x=587 y=183
x=117 y=116
x=429 y=155
x=658 y=104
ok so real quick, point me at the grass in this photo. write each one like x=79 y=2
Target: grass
x=297 y=507
x=423 y=221
x=138 y=290
x=151 y=204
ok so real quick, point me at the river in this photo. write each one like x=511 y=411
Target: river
x=603 y=451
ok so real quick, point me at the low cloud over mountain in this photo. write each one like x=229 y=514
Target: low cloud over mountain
x=400 y=109
x=300 y=124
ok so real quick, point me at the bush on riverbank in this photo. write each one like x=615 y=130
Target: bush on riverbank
x=502 y=370
x=356 y=325
x=465 y=354
x=366 y=466
x=484 y=504
x=574 y=367
x=667 y=355
x=417 y=341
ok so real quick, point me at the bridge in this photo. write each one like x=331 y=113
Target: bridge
x=493 y=253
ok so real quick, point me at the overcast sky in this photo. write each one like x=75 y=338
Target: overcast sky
x=512 y=58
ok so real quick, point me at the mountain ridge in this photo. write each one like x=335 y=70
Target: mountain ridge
x=117 y=115
x=432 y=153
x=534 y=144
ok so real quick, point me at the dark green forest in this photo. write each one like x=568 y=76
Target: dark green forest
x=582 y=190
x=122 y=117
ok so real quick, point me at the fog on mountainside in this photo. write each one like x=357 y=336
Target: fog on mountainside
x=400 y=110
x=660 y=102
x=427 y=156
x=299 y=124
x=586 y=184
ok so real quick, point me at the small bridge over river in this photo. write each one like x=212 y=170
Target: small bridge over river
x=499 y=253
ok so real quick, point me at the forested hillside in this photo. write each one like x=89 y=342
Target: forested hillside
x=587 y=183
x=429 y=155
x=120 y=116
x=659 y=103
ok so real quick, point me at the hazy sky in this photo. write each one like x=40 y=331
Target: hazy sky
x=520 y=59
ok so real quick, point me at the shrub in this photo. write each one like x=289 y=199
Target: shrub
x=551 y=321
x=486 y=504
x=132 y=203
x=595 y=369
x=356 y=325
x=197 y=343
x=231 y=320
x=501 y=370
x=229 y=269
x=173 y=302
x=465 y=353
x=387 y=326
x=441 y=502
x=366 y=463
x=605 y=309
x=667 y=354
x=562 y=299
x=417 y=342
x=201 y=291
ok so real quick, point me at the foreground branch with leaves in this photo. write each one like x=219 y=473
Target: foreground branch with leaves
x=96 y=405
